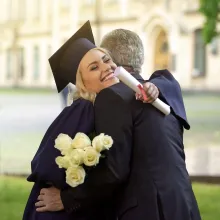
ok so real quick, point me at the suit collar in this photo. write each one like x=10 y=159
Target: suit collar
x=137 y=76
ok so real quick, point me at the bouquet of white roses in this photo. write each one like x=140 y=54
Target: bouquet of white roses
x=79 y=152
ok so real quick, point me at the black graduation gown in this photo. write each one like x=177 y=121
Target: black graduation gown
x=79 y=117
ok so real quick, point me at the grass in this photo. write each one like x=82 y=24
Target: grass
x=208 y=200
x=14 y=192
x=13 y=197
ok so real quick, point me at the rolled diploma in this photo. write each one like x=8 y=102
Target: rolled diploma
x=136 y=86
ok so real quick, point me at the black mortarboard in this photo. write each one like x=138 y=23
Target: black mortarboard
x=65 y=61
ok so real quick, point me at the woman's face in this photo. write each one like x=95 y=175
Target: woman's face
x=97 y=70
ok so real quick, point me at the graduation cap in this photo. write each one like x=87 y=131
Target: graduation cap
x=65 y=61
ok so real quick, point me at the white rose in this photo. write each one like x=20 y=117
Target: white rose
x=81 y=141
x=91 y=156
x=76 y=157
x=75 y=176
x=98 y=142
x=63 y=162
x=108 y=142
x=63 y=143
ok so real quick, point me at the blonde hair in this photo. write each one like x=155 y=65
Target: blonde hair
x=81 y=91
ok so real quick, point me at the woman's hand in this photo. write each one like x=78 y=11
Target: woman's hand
x=151 y=91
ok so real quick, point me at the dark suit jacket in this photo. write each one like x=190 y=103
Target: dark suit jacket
x=170 y=92
x=144 y=173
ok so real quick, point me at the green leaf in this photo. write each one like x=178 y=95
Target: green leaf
x=211 y=12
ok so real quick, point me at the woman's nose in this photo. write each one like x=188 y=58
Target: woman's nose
x=106 y=67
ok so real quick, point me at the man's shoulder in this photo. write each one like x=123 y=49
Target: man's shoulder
x=118 y=91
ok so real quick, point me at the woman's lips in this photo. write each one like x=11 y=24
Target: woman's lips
x=107 y=77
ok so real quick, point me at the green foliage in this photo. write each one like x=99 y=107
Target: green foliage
x=14 y=193
x=13 y=197
x=208 y=200
x=92 y=135
x=211 y=10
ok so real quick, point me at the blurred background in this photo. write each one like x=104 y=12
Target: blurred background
x=180 y=35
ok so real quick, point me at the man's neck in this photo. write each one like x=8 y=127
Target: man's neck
x=130 y=69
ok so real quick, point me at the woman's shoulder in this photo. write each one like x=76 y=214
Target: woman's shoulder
x=82 y=103
x=80 y=107
x=80 y=110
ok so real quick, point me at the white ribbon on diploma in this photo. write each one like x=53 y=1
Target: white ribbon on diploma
x=136 y=86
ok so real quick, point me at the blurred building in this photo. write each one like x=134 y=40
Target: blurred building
x=31 y=30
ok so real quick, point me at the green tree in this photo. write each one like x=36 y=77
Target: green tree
x=211 y=10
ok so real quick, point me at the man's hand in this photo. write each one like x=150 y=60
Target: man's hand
x=49 y=200
x=151 y=91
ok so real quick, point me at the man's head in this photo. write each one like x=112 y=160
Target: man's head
x=125 y=47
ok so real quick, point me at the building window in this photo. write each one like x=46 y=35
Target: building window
x=36 y=6
x=21 y=63
x=214 y=46
x=49 y=71
x=167 y=4
x=36 y=63
x=199 y=55
x=173 y=62
x=8 y=64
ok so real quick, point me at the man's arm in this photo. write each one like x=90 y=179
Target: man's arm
x=166 y=83
x=170 y=92
x=112 y=117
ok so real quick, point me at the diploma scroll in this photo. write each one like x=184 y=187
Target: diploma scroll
x=136 y=86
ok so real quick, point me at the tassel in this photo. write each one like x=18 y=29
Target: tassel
x=69 y=99
x=69 y=96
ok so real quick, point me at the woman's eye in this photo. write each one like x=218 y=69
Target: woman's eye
x=93 y=68
x=107 y=60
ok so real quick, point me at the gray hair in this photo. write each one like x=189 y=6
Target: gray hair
x=125 y=48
